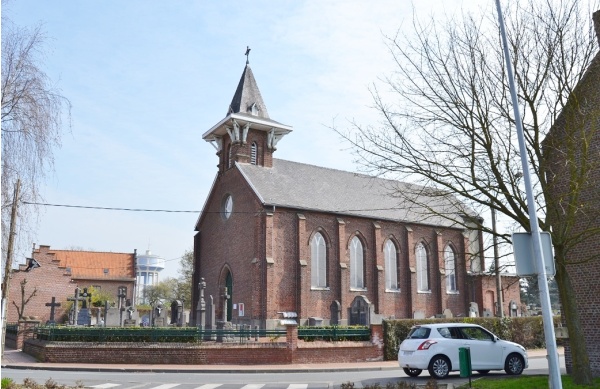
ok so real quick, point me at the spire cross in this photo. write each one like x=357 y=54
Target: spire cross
x=247 y=54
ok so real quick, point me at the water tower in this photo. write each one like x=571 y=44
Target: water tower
x=147 y=267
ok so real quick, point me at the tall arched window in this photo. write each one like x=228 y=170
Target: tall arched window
x=450 y=269
x=356 y=264
x=318 y=261
x=391 y=265
x=253 y=151
x=422 y=268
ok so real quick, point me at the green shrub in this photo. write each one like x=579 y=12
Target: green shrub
x=7 y=383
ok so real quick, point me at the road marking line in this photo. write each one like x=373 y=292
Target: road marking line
x=209 y=386
x=104 y=386
x=252 y=386
x=297 y=386
x=165 y=386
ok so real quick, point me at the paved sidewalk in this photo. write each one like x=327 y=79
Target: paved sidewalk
x=16 y=359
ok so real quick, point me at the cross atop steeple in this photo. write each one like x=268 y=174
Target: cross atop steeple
x=247 y=55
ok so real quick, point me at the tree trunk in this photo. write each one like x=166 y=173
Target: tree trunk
x=582 y=373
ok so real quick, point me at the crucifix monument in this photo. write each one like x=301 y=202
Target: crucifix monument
x=53 y=304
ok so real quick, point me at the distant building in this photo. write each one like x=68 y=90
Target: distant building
x=334 y=247
x=147 y=267
x=61 y=271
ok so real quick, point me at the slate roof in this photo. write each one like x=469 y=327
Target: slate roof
x=246 y=94
x=308 y=187
x=91 y=264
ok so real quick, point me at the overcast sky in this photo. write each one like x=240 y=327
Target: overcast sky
x=147 y=78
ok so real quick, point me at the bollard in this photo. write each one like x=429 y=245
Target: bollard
x=464 y=358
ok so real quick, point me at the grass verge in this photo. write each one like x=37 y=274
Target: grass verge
x=525 y=382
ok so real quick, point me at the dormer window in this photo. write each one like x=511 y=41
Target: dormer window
x=254 y=109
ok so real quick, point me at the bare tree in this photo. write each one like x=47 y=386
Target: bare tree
x=447 y=123
x=24 y=301
x=32 y=120
x=186 y=270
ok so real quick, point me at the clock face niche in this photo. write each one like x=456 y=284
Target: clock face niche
x=227 y=206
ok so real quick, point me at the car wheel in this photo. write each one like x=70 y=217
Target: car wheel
x=483 y=372
x=439 y=367
x=514 y=364
x=412 y=372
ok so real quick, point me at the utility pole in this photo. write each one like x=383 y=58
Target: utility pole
x=500 y=312
x=553 y=363
x=8 y=265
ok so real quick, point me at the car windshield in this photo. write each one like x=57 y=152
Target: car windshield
x=419 y=333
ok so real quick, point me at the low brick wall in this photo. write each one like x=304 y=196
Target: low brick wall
x=16 y=341
x=289 y=351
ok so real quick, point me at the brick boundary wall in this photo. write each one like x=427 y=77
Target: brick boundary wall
x=291 y=350
x=24 y=332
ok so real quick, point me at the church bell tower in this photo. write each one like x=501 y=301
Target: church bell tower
x=246 y=134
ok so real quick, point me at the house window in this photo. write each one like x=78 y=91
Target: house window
x=450 y=269
x=253 y=150
x=391 y=266
x=422 y=268
x=356 y=264
x=318 y=262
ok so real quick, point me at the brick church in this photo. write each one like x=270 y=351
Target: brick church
x=332 y=246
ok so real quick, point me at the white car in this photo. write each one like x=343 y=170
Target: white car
x=435 y=347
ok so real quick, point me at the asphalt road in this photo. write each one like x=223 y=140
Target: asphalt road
x=248 y=380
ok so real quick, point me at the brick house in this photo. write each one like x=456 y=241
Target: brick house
x=60 y=272
x=331 y=246
x=563 y=148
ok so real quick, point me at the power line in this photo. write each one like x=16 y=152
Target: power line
x=184 y=211
x=109 y=208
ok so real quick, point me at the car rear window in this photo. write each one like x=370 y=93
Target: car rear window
x=419 y=333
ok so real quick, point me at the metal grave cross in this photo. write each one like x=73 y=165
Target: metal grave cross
x=52 y=305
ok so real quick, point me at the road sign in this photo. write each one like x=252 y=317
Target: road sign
x=524 y=258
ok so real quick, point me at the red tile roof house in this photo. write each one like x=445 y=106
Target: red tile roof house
x=60 y=272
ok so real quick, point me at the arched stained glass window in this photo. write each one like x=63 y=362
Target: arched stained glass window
x=391 y=265
x=422 y=268
x=318 y=262
x=450 y=269
x=356 y=264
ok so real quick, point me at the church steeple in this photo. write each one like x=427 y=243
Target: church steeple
x=247 y=97
x=247 y=134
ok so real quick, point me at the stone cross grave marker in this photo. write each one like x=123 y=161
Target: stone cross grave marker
x=77 y=299
x=53 y=304
x=226 y=297
x=201 y=308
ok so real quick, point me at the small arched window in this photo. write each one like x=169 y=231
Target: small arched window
x=422 y=268
x=318 y=261
x=356 y=264
x=253 y=153
x=450 y=269
x=391 y=265
x=228 y=156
